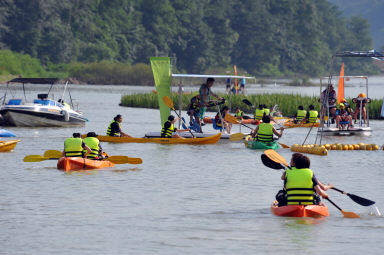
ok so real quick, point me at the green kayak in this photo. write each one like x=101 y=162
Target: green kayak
x=256 y=145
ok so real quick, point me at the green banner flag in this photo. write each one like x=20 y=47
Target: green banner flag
x=161 y=68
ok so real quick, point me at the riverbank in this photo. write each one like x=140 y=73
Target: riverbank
x=287 y=103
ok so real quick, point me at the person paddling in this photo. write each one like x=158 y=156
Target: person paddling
x=114 y=128
x=300 y=184
x=168 y=128
x=311 y=116
x=264 y=132
x=94 y=144
x=300 y=114
x=75 y=147
x=259 y=112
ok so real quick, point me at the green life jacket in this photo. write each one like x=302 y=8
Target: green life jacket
x=265 y=133
x=259 y=114
x=73 y=148
x=109 y=130
x=312 y=116
x=93 y=144
x=266 y=110
x=299 y=186
x=167 y=132
x=301 y=114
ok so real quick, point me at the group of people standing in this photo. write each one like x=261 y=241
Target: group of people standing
x=343 y=114
x=231 y=87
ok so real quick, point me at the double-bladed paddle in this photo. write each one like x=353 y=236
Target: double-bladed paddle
x=169 y=103
x=55 y=155
x=278 y=159
x=275 y=161
x=238 y=137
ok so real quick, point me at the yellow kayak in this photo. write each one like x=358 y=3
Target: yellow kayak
x=205 y=140
x=291 y=124
x=8 y=145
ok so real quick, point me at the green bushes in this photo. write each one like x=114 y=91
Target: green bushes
x=288 y=103
x=15 y=64
x=113 y=73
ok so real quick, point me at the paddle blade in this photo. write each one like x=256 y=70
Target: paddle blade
x=52 y=154
x=231 y=119
x=270 y=163
x=284 y=146
x=273 y=155
x=34 y=158
x=236 y=137
x=124 y=160
x=247 y=102
x=360 y=200
x=168 y=102
x=349 y=214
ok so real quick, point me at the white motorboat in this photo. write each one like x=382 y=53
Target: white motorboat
x=41 y=111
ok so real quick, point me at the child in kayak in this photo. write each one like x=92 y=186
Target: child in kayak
x=221 y=122
x=264 y=132
x=300 y=184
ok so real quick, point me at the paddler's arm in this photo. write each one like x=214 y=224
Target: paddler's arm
x=122 y=134
x=183 y=130
x=216 y=96
x=320 y=191
x=325 y=187
x=279 y=134
x=254 y=132
x=86 y=148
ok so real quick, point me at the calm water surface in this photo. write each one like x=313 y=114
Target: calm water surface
x=183 y=199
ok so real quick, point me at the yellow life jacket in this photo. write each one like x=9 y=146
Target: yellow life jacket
x=167 y=132
x=299 y=186
x=93 y=144
x=73 y=148
x=265 y=133
x=301 y=114
x=266 y=110
x=312 y=116
x=239 y=114
x=259 y=114
x=109 y=130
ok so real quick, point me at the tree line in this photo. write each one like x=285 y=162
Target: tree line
x=262 y=37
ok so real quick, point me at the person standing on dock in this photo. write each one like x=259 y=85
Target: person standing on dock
x=205 y=92
x=328 y=99
x=114 y=128
x=242 y=86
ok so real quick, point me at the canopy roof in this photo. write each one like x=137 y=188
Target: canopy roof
x=209 y=76
x=367 y=54
x=35 y=80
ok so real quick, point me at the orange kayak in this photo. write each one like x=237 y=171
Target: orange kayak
x=208 y=120
x=77 y=163
x=314 y=211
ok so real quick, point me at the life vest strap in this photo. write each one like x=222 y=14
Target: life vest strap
x=312 y=189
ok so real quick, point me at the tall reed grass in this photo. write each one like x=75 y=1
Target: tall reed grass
x=287 y=103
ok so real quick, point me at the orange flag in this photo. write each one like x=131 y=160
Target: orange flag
x=340 y=89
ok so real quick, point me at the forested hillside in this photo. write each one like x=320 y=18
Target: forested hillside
x=372 y=10
x=262 y=37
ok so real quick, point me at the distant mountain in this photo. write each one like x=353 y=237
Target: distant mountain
x=370 y=9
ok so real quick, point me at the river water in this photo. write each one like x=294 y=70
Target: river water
x=183 y=199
